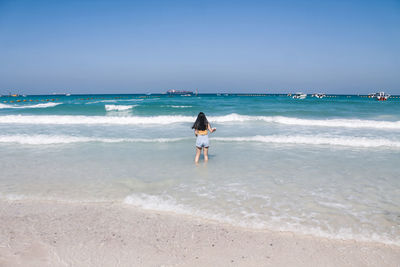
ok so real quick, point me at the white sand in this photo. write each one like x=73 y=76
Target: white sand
x=93 y=234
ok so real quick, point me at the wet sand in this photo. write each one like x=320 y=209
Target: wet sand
x=44 y=233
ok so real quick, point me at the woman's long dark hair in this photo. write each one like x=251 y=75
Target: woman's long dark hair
x=201 y=122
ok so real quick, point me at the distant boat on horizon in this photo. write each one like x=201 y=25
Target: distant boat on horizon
x=180 y=92
x=299 y=95
x=14 y=95
x=381 y=96
x=66 y=94
x=318 y=95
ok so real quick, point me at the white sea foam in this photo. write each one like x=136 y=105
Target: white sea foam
x=56 y=119
x=41 y=105
x=100 y=101
x=114 y=101
x=119 y=107
x=167 y=203
x=347 y=123
x=12 y=197
x=180 y=106
x=176 y=106
x=315 y=140
x=233 y=118
x=151 y=202
x=275 y=139
x=60 y=139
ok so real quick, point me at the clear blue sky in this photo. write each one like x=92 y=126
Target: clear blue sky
x=216 y=46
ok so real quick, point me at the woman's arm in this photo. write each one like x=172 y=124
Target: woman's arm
x=195 y=132
x=211 y=129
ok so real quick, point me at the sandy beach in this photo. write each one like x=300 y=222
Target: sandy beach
x=110 y=234
x=200 y=133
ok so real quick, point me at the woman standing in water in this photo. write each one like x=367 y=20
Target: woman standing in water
x=201 y=128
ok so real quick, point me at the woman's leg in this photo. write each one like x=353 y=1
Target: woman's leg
x=198 y=152
x=205 y=154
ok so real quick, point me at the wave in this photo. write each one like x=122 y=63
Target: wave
x=231 y=118
x=66 y=119
x=113 y=101
x=274 y=139
x=42 y=105
x=315 y=140
x=172 y=106
x=118 y=107
x=347 y=123
x=175 y=106
x=61 y=139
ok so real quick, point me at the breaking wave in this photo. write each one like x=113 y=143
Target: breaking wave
x=274 y=139
x=114 y=101
x=314 y=140
x=231 y=118
x=118 y=107
x=347 y=123
x=55 y=119
x=176 y=106
x=60 y=139
x=41 y=105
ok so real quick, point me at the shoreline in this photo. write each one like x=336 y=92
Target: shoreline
x=46 y=233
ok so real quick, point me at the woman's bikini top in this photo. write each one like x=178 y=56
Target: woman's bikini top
x=200 y=132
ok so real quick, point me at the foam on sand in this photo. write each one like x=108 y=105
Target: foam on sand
x=167 y=203
x=144 y=238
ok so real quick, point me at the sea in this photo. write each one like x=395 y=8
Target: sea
x=325 y=167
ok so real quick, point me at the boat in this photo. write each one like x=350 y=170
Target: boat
x=60 y=94
x=179 y=92
x=381 y=96
x=299 y=95
x=318 y=95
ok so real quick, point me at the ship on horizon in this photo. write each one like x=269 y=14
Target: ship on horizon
x=380 y=96
x=179 y=92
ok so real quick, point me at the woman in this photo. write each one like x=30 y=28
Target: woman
x=201 y=128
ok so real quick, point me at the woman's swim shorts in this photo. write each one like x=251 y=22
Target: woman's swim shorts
x=202 y=141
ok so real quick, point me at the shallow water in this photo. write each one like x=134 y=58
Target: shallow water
x=327 y=167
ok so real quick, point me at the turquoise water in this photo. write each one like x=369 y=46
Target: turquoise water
x=326 y=167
